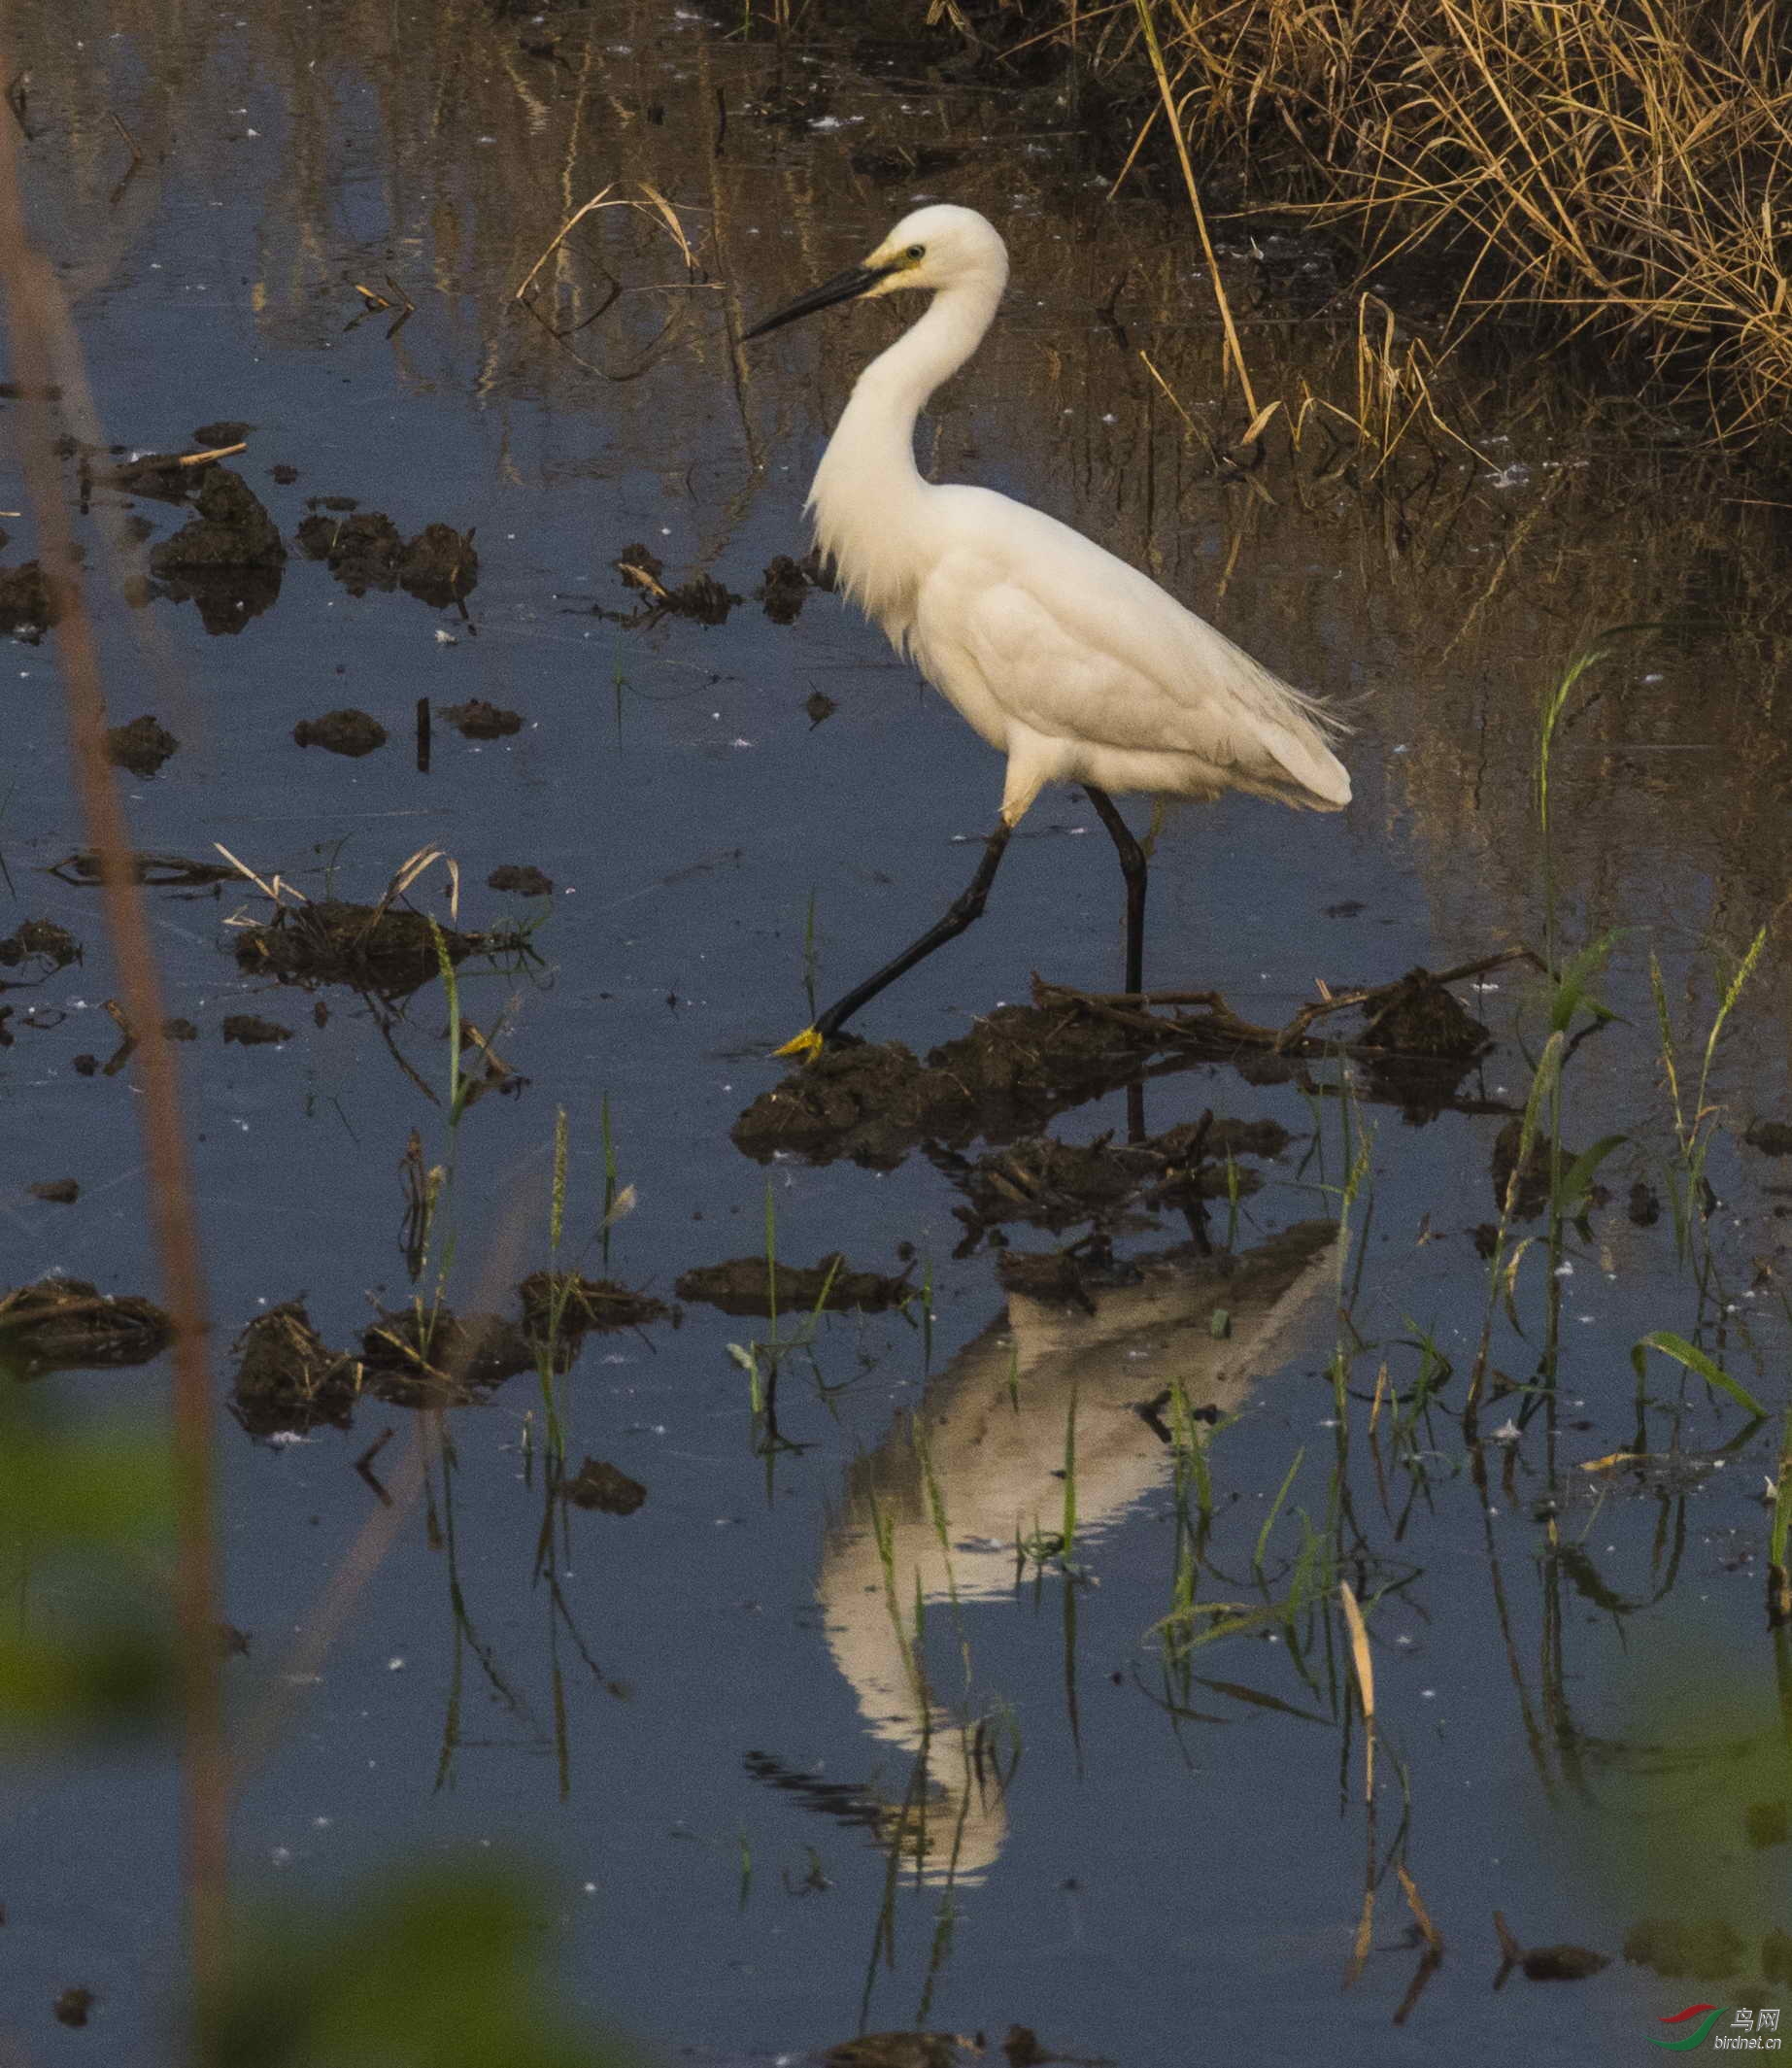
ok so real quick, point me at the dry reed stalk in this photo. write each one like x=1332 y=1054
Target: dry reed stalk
x=45 y=356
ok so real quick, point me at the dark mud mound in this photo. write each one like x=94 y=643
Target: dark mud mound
x=363 y=551
x=140 y=747
x=228 y=559
x=1056 y=1184
x=567 y=1304
x=346 y=732
x=287 y=1379
x=441 y=1359
x=25 y=608
x=1011 y=1072
x=1427 y=1043
x=38 y=947
x=479 y=719
x=387 y=949
x=605 y=1487
x=440 y=566
x=749 y=1285
x=783 y=591
x=66 y=1324
x=523 y=878
x=1417 y=1017
x=702 y=600
x=898 y=2050
x=363 y=548
x=249 y=1032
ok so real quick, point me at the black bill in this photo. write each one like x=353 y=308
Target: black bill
x=843 y=286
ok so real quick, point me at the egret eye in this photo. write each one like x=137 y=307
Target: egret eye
x=916 y=252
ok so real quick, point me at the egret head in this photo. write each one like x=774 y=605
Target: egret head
x=937 y=247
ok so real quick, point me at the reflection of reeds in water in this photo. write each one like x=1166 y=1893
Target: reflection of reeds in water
x=436 y=145
x=935 y=1514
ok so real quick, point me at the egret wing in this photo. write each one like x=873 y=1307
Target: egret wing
x=1078 y=646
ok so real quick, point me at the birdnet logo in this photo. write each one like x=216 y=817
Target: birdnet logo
x=1748 y=2031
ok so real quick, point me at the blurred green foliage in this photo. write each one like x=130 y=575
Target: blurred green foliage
x=446 y=1967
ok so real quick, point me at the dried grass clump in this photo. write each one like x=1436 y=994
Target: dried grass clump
x=1624 y=164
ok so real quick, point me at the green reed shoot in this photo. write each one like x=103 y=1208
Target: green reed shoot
x=610 y=1186
x=1783 y=1499
x=1070 y=1478
x=1696 y=1361
x=1269 y=1522
x=556 y=1196
x=1778 y=1580
x=456 y=1083
x=1193 y=1466
x=1695 y=1128
x=1555 y=703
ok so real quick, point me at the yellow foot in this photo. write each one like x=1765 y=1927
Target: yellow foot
x=806 y=1045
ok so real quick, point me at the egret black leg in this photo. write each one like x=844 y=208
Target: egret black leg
x=1132 y=868
x=963 y=910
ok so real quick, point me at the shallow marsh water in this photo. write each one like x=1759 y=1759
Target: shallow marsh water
x=714 y=1795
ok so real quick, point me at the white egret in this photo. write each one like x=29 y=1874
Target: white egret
x=1080 y=668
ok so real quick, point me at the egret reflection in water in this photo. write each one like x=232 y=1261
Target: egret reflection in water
x=937 y=1520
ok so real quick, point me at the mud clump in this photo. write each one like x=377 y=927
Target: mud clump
x=363 y=551
x=289 y=1379
x=585 y=1304
x=248 y=1032
x=598 y=1486
x=747 y=1285
x=703 y=598
x=640 y=569
x=783 y=591
x=363 y=548
x=348 y=732
x=387 y=949
x=231 y=529
x=479 y=719
x=1423 y=1019
x=66 y=1324
x=440 y=566
x=140 y=747
x=896 y=2049
x=72 y=2006
x=1013 y=1071
x=228 y=559
x=1057 y=1184
x=1773 y=1137
x=25 y=607
x=39 y=941
x=418 y=1360
x=1426 y=1040
x=520 y=877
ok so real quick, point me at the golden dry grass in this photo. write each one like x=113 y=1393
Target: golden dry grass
x=1625 y=165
